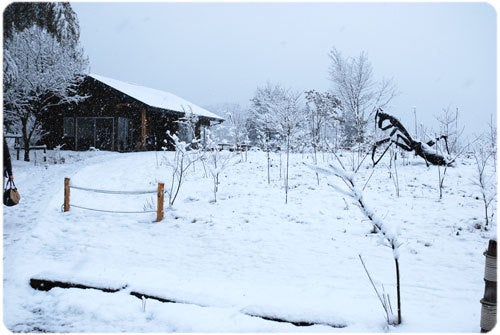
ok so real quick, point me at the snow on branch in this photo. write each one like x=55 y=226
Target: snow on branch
x=389 y=232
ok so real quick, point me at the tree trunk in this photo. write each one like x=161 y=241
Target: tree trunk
x=398 y=290
x=287 y=165
x=26 y=140
x=268 y=163
x=485 y=211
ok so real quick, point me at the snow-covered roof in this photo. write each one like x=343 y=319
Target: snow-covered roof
x=156 y=98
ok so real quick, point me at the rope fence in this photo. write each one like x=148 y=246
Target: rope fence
x=112 y=192
x=159 y=195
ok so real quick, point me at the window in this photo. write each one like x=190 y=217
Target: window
x=69 y=127
x=123 y=131
x=94 y=132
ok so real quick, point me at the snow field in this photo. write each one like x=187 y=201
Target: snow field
x=247 y=253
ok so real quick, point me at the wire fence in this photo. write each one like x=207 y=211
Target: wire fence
x=159 y=195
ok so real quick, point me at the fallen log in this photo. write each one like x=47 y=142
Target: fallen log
x=47 y=285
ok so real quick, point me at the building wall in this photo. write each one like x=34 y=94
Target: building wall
x=110 y=120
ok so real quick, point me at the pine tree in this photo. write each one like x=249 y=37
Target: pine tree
x=65 y=23
x=58 y=18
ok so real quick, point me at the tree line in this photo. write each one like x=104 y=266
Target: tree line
x=44 y=64
x=280 y=118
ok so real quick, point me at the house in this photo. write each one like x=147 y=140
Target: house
x=120 y=116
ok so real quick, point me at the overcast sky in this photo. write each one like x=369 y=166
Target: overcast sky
x=441 y=55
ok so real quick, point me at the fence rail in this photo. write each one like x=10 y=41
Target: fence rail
x=159 y=197
x=43 y=147
x=111 y=191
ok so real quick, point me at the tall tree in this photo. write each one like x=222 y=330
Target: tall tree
x=288 y=114
x=39 y=72
x=43 y=63
x=323 y=108
x=58 y=18
x=262 y=124
x=236 y=124
x=279 y=114
x=65 y=24
x=360 y=95
x=234 y=129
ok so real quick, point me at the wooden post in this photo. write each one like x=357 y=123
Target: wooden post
x=489 y=301
x=144 y=132
x=66 y=194
x=398 y=289
x=160 y=198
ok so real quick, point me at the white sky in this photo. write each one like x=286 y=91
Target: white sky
x=439 y=54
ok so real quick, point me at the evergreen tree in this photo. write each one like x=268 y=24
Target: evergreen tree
x=57 y=18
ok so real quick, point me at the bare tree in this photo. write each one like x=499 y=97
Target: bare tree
x=237 y=118
x=216 y=161
x=41 y=72
x=184 y=157
x=360 y=95
x=485 y=179
x=289 y=116
x=280 y=114
x=262 y=121
x=322 y=110
x=493 y=140
x=187 y=127
x=234 y=130
x=448 y=127
x=389 y=232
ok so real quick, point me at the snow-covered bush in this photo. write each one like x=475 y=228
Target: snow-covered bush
x=184 y=157
x=55 y=157
x=389 y=232
x=215 y=161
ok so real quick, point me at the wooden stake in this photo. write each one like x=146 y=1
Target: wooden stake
x=398 y=288
x=144 y=131
x=160 y=198
x=66 y=194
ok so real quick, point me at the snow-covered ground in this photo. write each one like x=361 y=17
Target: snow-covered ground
x=246 y=254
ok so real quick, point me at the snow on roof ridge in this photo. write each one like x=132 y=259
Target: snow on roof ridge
x=155 y=97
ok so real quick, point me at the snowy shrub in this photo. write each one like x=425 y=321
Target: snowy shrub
x=215 y=161
x=184 y=157
x=389 y=232
x=55 y=157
